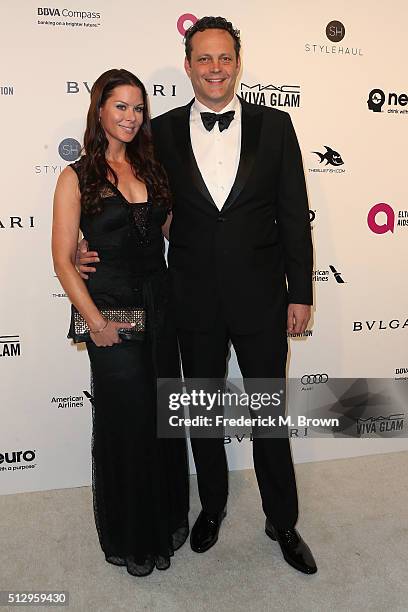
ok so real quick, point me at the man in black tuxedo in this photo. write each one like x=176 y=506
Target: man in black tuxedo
x=240 y=261
x=240 y=230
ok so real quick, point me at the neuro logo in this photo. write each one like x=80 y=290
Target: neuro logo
x=185 y=21
x=376 y=100
x=373 y=224
x=69 y=149
x=330 y=157
x=337 y=275
x=335 y=31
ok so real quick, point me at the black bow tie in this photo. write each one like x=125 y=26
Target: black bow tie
x=224 y=120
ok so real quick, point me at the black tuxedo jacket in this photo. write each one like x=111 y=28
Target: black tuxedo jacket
x=255 y=255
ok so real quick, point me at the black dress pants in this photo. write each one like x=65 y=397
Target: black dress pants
x=260 y=355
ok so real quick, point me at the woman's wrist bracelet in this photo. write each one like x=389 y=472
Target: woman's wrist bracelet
x=98 y=331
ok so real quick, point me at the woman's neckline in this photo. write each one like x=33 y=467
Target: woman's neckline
x=145 y=202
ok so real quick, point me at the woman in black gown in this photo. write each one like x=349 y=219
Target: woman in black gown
x=117 y=194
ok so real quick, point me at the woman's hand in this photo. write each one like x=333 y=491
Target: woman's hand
x=108 y=334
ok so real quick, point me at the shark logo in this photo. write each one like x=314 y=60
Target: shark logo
x=332 y=157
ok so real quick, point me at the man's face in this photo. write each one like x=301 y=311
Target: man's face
x=213 y=68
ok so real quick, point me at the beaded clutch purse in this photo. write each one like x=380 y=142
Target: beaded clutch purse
x=79 y=330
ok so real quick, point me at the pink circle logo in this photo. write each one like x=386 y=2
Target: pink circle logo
x=388 y=226
x=188 y=19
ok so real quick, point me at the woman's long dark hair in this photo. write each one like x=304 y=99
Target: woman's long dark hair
x=95 y=169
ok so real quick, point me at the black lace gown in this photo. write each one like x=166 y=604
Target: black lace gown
x=140 y=482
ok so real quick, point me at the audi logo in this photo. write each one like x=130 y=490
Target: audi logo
x=314 y=379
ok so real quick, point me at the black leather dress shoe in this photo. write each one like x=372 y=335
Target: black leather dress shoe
x=204 y=534
x=295 y=551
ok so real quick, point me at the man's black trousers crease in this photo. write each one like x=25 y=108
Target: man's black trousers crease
x=260 y=355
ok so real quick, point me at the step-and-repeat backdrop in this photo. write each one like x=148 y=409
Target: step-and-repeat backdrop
x=339 y=70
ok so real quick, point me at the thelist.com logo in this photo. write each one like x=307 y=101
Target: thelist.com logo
x=381 y=218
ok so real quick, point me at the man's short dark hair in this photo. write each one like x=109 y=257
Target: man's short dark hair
x=211 y=23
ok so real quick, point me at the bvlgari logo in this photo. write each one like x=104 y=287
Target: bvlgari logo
x=277 y=96
x=17 y=222
x=162 y=90
x=381 y=325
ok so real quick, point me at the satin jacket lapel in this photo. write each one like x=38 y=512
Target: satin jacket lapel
x=251 y=125
x=181 y=133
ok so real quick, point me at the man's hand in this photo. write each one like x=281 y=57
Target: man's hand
x=84 y=258
x=298 y=318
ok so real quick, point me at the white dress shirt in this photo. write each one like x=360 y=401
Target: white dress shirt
x=217 y=153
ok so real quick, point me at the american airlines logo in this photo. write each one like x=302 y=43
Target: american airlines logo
x=281 y=96
x=324 y=275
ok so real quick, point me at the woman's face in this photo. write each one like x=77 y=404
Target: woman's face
x=122 y=114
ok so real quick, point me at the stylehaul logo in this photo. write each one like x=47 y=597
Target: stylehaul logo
x=69 y=149
x=65 y=17
x=335 y=33
x=377 y=98
x=10 y=346
x=381 y=218
x=17 y=460
x=277 y=96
